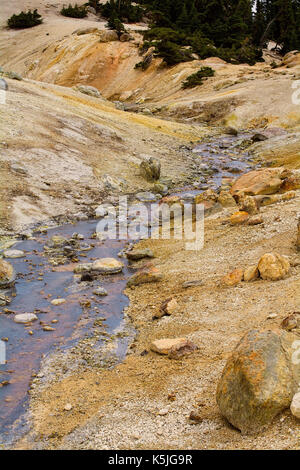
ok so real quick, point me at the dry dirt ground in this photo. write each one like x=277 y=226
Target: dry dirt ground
x=145 y=402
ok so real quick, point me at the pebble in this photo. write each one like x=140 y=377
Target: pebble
x=196 y=283
x=58 y=301
x=68 y=407
x=272 y=315
x=100 y=291
x=163 y=411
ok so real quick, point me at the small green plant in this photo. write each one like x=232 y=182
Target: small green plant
x=24 y=20
x=74 y=11
x=196 y=79
x=116 y=24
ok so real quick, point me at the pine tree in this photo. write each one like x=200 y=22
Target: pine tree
x=286 y=24
x=183 y=21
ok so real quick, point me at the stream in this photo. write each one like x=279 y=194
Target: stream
x=40 y=280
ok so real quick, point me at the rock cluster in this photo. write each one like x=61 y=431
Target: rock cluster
x=271 y=267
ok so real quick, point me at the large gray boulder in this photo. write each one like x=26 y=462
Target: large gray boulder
x=259 y=380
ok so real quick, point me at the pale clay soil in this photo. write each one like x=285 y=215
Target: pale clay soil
x=68 y=142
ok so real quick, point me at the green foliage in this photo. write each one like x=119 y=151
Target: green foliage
x=25 y=20
x=94 y=4
x=171 y=53
x=124 y=10
x=196 y=79
x=115 y=24
x=277 y=20
x=165 y=34
x=232 y=30
x=74 y=11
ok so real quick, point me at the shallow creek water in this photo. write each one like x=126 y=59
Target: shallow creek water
x=39 y=282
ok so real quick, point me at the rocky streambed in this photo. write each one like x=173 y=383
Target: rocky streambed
x=73 y=311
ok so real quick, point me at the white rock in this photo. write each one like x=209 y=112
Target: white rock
x=107 y=265
x=163 y=346
x=58 y=301
x=13 y=254
x=164 y=411
x=25 y=317
x=68 y=407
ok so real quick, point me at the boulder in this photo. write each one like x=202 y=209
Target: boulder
x=251 y=273
x=168 y=307
x=248 y=204
x=136 y=255
x=239 y=218
x=13 y=254
x=144 y=276
x=261 y=181
x=255 y=220
x=107 y=266
x=150 y=168
x=273 y=267
x=83 y=268
x=226 y=199
x=25 y=317
x=7 y=274
x=108 y=36
x=164 y=346
x=258 y=381
x=234 y=278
